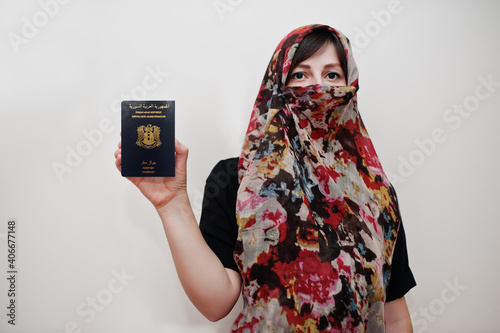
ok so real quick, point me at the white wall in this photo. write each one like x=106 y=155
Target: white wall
x=419 y=62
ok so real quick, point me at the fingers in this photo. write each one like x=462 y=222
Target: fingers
x=118 y=163
x=118 y=157
x=181 y=155
x=118 y=152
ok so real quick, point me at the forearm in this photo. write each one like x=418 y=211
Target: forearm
x=209 y=286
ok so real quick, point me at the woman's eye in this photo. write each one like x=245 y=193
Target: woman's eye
x=333 y=76
x=298 y=75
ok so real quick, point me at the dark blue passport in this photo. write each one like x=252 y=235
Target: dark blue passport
x=148 y=138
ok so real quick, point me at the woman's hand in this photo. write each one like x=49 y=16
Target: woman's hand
x=161 y=190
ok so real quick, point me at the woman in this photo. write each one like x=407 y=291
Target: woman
x=316 y=222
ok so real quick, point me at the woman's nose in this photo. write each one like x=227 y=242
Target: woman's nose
x=316 y=79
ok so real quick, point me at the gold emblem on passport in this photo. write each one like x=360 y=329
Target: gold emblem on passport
x=148 y=136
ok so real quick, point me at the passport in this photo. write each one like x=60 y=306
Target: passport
x=148 y=138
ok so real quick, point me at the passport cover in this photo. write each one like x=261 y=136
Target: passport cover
x=148 y=139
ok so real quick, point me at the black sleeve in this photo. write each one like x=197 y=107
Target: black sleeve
x=402 y=279
x=218 y=215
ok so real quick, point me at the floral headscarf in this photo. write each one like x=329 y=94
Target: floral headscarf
x=317 y=216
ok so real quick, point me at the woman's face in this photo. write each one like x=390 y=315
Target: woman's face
x=323 y=67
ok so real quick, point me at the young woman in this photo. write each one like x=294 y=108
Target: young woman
x=305 y=224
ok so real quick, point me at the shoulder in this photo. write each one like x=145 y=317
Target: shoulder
x=223 y=178
x=222 y=185
x=229 y=166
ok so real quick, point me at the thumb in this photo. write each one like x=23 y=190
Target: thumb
x=181 y=155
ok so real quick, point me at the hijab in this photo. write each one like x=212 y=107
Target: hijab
x=317 y=216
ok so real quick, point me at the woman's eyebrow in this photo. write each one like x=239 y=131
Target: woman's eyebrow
x=306 y=66
x=303 y=66
x=335 y=64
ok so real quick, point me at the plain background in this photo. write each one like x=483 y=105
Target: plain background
x=419 y=61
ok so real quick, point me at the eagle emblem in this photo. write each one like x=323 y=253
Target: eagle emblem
x=148 y=136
